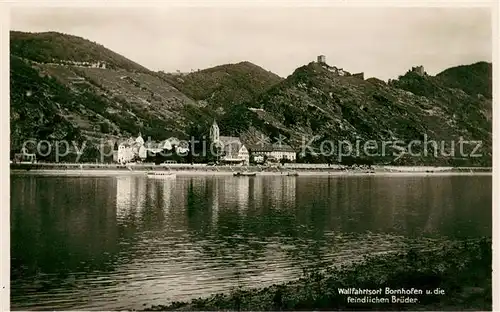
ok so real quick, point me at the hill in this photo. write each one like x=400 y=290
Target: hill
x=316 y=101
x=224 y=86
x=33 y=109
x=473 y=79
x=54 y=47
x=63 y=100
x=60 y=90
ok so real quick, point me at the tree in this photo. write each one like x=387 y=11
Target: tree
x=251 y=160
x=348 y=161
x=284 y=160
x=190 y=158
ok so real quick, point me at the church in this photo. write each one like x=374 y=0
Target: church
x=233 y=150
x=238 y=153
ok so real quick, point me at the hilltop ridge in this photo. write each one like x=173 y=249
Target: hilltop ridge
x=55 y=47
x=316 y=101
x=60 y=90
x=224 y=85
x=53 y=89
x=473 y=79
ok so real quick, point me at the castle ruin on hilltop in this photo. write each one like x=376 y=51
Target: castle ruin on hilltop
x=321 y=59
x=419 y=70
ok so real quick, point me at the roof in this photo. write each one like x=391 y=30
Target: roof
x=128 y=143
x=153 y=146
x=272 y=148
x=173 y=141
x=165 y=144
x=229 y=139
x=139 y=139
x=232 y=145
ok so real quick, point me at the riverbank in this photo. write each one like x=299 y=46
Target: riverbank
x=457 y=274
x=141 y=173
x=201 y=169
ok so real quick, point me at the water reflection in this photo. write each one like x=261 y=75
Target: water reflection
x=123 y=197
x=166 y=188
x=243 y=190
x=113 y=243
x=55 y=230
x=214 y=199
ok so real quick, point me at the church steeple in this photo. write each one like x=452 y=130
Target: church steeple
x=214 y=132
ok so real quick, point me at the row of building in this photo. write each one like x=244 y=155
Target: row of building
x=136 y=149
x=236 y=152
x=232 y=149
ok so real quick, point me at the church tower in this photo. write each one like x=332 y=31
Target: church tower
x=214 y=132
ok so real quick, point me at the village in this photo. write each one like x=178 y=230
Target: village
x=225 y=149
x=221 y=150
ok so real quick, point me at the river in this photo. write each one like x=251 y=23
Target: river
x=108 y=243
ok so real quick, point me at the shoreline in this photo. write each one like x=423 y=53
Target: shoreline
x=461 y=269
x=143 y=173
x=203 y=170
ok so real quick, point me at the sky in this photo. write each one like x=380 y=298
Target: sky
x=381 y=42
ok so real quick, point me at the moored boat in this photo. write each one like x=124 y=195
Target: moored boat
x=160 y=175
x=245 y=174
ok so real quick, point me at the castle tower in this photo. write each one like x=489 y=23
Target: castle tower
x=321 y=59
x=419 y=70
x=214 y=132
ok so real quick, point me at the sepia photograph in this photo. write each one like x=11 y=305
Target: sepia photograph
x=245 y=157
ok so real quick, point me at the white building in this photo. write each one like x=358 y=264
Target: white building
x=124 y=153
x=129 y=149
x=143 y=152
x=275 y=151
x=258 y=159
x=158 y=147
x=181 y=146
x=139 y=140
x=234 y=151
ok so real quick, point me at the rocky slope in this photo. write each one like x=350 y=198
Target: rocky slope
x=61 y=93
x=316 y=101
x=60 y=89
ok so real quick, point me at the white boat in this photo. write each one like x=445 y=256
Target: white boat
x=161 y=175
